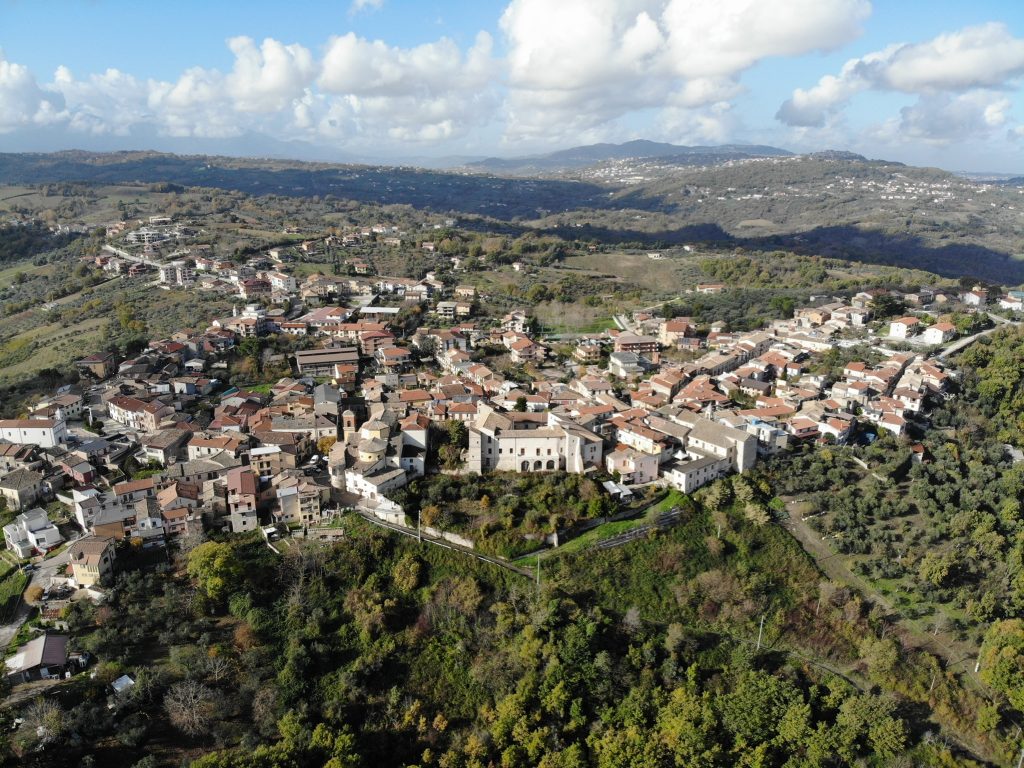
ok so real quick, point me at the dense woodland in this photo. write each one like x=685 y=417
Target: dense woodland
x=381 y=652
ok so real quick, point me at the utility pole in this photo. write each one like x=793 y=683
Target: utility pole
x=1020 y=761
x=419 y=528
x=538 y=573
x=760 y=632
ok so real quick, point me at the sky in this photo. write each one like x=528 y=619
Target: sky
x=927 y=82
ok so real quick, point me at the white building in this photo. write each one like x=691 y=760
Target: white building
x=529 y=442
x=938 y=333
x=46 y=433
x=31 y=532
x=691 y=474
x=904 y=328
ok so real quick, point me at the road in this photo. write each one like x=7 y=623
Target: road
x=122 y=254
x=956 y=346
x=40 y=578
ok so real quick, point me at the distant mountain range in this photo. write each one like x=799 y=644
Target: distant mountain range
x=592 y=154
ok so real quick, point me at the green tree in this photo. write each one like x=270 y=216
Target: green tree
x=251 y=349
x=1002 y=660
x=216 y=569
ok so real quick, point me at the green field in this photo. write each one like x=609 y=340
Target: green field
x=11 y=589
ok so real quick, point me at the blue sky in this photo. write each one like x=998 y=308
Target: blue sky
x=934 y=83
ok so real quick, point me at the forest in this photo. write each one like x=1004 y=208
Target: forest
x=714 y=643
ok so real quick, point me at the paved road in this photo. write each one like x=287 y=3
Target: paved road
x=40 y=578
x=953 y=347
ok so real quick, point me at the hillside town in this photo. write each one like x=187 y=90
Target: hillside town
x=161 y=446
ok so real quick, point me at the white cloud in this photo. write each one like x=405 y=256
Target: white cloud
x=577 y=64
x=268 y=78
x=429 y=93
x=980 y=57
x=942 y=118
x=22 y=101
x=365 y=5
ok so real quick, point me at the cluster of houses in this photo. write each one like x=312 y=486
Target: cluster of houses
x=661 y=401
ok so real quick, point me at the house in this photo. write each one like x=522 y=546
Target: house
x=625 y=365
x=710 y=288
x=1013 y=303
x=137 y=414
x=674 y=330
x=393 y=358
x=939 y=333
x=44 y=658
x=446 y=310
x=634 y=467
x=46 y=433
x=525 y=350
x=299 y=498
x=166 y=446
x=243 y=486
x=60 y=408
x=100 y=366
x=13 y=456
x=802 y=428
x=77 y=466
x=517 y=321
x=904 y=327
x=31 y=532
x=687 y=476
x=977 y=297
x=646 y=346
x=588 y=351
x=21 y=488
x=202 y=445
x=92 y=560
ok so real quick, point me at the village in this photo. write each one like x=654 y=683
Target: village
x=160 y=447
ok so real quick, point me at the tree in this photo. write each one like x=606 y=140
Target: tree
x=251 y=349
x=45 y=723
x=1002 y=660
x=457 y=433
x=887 y=305
x=405 y=574
x=215 y=568
x=520 y=406
x=191 y=707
